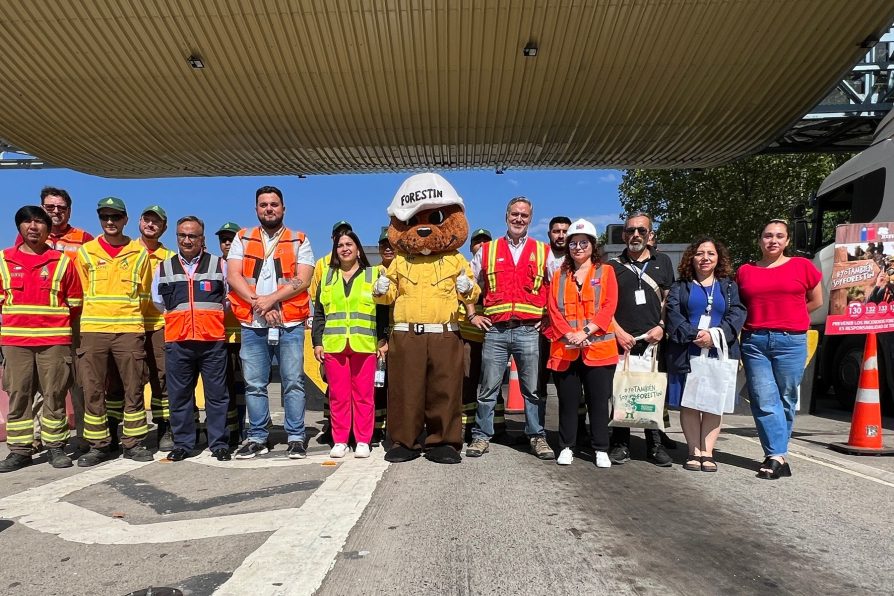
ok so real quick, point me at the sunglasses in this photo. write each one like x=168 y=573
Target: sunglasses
x=55 y=208
x=111 y=216
x=631 y=231
x=578 y=244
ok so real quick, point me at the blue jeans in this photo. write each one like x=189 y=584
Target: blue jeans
x=774 y=365
x=523 y=343
x=257 y=357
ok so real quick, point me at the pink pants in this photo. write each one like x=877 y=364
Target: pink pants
x=350 y=376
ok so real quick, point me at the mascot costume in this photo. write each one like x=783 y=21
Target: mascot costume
x=425 y=354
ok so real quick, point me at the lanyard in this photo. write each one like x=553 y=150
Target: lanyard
x=269 y=248
x=639 y=273
x=708 y=297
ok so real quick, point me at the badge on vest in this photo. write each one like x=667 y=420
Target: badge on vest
x=44 y=273
x=205 y=286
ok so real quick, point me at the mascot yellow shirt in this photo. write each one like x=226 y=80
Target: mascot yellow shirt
x=423 y=287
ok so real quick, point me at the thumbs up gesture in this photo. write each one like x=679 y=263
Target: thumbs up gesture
x=382 y=284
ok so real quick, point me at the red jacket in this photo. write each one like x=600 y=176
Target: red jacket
x=38 y=296
x=514 y=291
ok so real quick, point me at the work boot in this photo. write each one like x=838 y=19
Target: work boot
x=15 y=461
x=659 y=456
x=57 y=458
x=541 y=448
x=93 y=457
x=478 y=448
x=138 y=453
x=619 y=454
x=165 y=437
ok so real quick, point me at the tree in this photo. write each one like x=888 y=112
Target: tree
x=731 y=202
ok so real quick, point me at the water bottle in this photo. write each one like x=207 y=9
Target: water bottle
x=273 y=336
x=380 y=373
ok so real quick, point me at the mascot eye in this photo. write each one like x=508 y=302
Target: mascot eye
x=436 y=217
x=413 y=221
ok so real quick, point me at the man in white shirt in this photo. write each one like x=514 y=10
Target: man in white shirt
x=269 y=269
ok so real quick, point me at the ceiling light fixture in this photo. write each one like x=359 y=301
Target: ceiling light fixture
x=530 y=50
x=195 y=62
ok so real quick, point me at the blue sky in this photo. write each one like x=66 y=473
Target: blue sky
x=313 y=204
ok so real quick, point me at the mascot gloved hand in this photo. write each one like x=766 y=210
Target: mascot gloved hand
x=426 y=280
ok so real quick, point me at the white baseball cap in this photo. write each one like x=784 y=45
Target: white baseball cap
x=423 y=191
x=582 y=226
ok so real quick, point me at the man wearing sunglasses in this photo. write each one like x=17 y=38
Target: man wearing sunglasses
x=116 y=278
x=644 y=279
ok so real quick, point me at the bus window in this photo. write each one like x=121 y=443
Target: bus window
x=857 y=201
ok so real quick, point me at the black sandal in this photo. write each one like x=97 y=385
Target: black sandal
x=708 y=460
x=693 y=467
x=773 y=469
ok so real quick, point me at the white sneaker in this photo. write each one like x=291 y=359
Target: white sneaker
x=566 y=457
x=338 y=450
x=602 y=460
x=361 y=450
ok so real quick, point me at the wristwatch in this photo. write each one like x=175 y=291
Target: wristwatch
x=587 y=329
x=661 y=324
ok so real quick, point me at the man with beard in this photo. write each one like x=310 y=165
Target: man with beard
x=558 y=229
x=644 y=279
x=269 y=269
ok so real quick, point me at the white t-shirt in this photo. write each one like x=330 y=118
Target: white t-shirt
x=304 y=255
x=553 y=263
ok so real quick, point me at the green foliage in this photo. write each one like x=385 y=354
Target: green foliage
x=731 y=202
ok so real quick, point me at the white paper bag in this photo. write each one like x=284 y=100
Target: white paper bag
x=711 y=384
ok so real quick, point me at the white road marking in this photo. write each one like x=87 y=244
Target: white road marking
x=297 y=557
x=798 y=453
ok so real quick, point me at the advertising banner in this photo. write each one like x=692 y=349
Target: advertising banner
x=861 y=289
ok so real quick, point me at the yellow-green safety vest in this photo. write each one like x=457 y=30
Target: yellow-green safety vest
x=351 y=319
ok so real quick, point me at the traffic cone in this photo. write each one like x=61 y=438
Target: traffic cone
x=515 y=403
x=866 y=424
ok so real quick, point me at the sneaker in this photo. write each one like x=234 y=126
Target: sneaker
x=541 y=448
x=93 y=457
x=57 y=458
x=338 y=450
x=250 y=449
x=138 y=453
x=361 y=450
x=565 y=457
x=619 y=454
x=15 y=461
x=603 y=460
x=296 y=450
x=478 y=448
x=658 y=455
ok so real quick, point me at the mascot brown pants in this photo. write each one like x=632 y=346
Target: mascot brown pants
x=425 y=388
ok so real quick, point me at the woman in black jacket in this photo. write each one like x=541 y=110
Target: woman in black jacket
x=704 y=297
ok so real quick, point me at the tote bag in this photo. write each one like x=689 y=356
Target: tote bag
x=711 y=386
x=638 y=396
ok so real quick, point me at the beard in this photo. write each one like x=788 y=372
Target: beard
x=271 y=224
x=636 y=245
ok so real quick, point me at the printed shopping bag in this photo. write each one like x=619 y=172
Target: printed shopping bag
x=638 y=397
x=711 y=385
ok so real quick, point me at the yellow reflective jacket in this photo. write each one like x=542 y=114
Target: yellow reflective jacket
x=115 y=289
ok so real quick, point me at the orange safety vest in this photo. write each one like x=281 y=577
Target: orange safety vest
x=194 y=306
x=514 y=291
x=70 y=241
x=579 y=308
x=295 y=309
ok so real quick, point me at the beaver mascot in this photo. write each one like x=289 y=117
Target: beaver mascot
x=424 y=282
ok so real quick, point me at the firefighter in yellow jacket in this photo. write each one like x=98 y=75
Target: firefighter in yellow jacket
x=116 y=278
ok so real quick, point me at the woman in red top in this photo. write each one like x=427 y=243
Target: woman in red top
x=779 y=293
x=583 y=351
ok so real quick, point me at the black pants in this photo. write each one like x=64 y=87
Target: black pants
x=569 y=384
x=185 y=360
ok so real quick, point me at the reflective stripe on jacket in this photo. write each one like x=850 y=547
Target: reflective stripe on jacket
x=295 y=309
x=351 y=319
x=514 y=291
x=152 y=319
x=194 y=308
x=114 y=288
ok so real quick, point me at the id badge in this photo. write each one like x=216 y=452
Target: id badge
x=640 y=296
x=704 y=321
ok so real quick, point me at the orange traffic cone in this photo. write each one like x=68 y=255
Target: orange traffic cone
x=515 y=403
x=866 y=424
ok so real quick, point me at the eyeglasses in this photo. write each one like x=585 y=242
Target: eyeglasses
x=111 y=216
x=191 y=237
x=631 y=231
x=582 y=244
x=55 y=208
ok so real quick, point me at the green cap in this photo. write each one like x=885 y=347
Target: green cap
x=157 y=210
x=228 y=227
x=340 y=224
x=383 y=235
x=111 y=203
x=481 y=232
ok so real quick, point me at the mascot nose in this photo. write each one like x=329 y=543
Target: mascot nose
x=424 y=232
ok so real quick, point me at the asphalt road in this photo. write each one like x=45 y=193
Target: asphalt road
x=506 y=523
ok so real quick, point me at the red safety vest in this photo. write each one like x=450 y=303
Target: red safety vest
x=514 y=291
x=295 y=309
